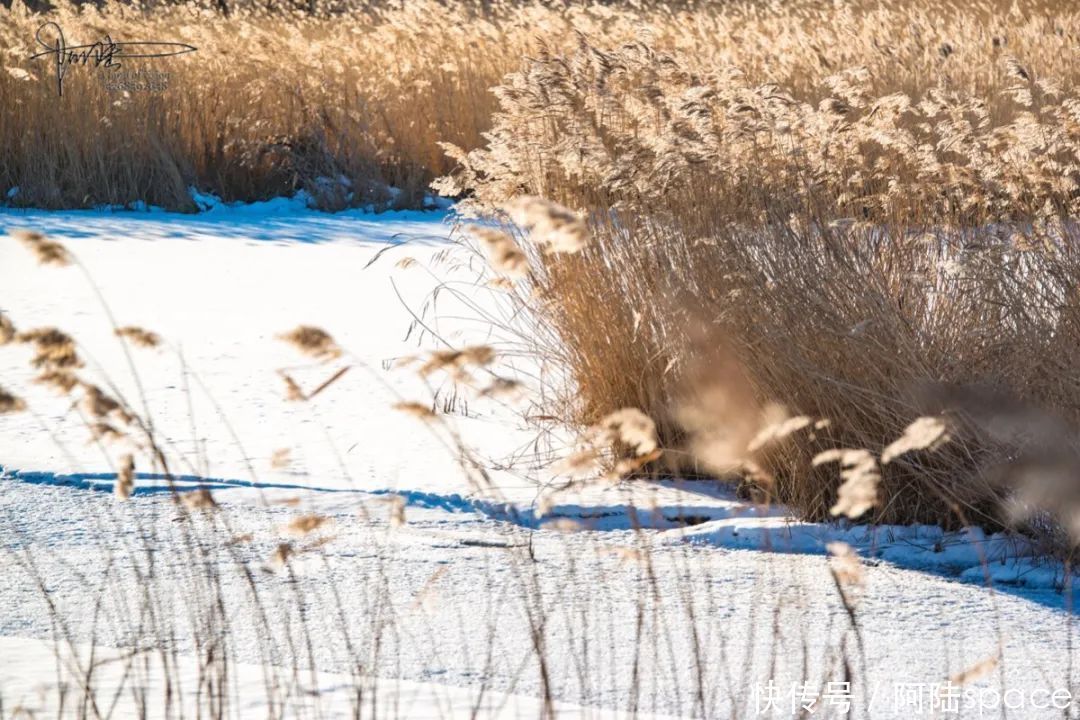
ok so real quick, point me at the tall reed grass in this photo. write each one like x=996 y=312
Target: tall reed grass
x=347 y=107
x=347 y=101
x=840 y=205
x=837 y=212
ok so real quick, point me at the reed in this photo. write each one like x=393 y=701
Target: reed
x=830 y=212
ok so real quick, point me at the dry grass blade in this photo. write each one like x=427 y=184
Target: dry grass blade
x=632 y=428
x=923 y=433
x=102 y=431
x=458 y=362
x=281 y=458
x=60 y=380
x=293 y=391
x=7 y=329
x=503 y=388
x=503 y=253
x=415 y=409
x=281 y=555
x=977 y=671
x=200 y=499
x=845 y=564
x=557 y=229
x=97 y=404
x=312 y=341
x=776 y=431
x=305 y=524
x=125 y=478
x=54 y=349
x=397 y=511
x=10 y=403
x=628 y=466
x=582 y=462
x=859 y=471
x=139 y=336
x=47 y=251
x=328 y=382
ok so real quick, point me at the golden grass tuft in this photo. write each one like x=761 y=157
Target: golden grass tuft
x=415 y=409
x=551 y=226
x=305 y=524
x=102 y=431
x=55 y=349
x=10 y=403
x=859 y=471
x=139 y=336
x=312 y=341
x=47 y=251
x=60 y=380
x=629 y=427
x=457 y=363
x=502 y=251
x=99 y=405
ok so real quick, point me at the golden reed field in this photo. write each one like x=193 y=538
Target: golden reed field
x=784 y=231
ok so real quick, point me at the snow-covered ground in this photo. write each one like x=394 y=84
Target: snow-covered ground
x=673 y=598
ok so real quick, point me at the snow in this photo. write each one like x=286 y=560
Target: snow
x=327 y=694
x=688 y=631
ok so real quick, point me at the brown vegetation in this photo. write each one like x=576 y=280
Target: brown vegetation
x=837 y=209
